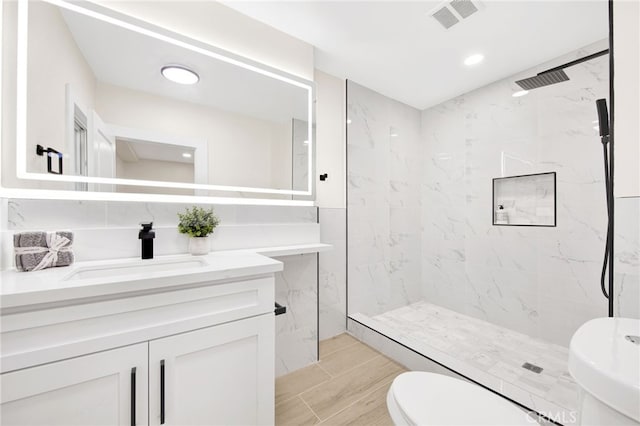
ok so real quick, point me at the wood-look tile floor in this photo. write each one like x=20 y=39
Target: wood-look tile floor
x=347 y=387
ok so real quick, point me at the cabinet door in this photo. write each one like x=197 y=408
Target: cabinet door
x=222 y=375
x=97 y=389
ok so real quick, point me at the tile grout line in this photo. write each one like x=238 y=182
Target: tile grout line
x=327 y=381
x=356 y=366
x=358 y=400
x=322 y=368
x=310 y=409
x=344 y=347
x=363 y=396
x=312 y=387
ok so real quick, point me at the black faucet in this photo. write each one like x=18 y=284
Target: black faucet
x=147 y=235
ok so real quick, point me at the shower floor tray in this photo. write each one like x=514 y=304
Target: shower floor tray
x=500 y=359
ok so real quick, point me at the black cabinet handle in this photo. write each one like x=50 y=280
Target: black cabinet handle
x=133 y=396
x=279 y=310
x=162 y=392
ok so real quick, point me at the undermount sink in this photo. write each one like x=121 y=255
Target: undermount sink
x=131 y=267
x=604 y=359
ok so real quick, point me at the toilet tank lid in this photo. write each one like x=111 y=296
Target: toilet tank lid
x=435 y=399
x=605 y=361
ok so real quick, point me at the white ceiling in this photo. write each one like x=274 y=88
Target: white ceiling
x=395 y=48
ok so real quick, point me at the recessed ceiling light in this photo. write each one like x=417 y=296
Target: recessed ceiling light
x=394 y=135
x=180 y=75
x=305 y=142
x=520 y=93
x=186 y=154
x=474 y=59
x=348 y=121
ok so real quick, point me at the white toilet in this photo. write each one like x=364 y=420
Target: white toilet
x=604 y=359
x=420 y=398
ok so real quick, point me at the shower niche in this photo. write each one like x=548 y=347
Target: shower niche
x=525 y=200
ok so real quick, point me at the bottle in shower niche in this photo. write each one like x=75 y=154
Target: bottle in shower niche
x=502 y=218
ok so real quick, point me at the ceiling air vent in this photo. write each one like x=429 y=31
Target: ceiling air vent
x=446 y=18
x=465 y=8
x=451 y=12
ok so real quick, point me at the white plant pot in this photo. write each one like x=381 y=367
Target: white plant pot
x=199 y=245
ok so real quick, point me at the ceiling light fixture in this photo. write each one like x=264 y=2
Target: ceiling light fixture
x=186 y=155
x=520 y=93
x=474 y=59
x=179 y=74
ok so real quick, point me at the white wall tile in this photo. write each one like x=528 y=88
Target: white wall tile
x=297 y=329
x=332 y=273
x=517 y=277
x=383 y=190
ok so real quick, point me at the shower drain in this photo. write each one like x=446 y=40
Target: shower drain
x=531 y=367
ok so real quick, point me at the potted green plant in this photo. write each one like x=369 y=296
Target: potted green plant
x=198 y=224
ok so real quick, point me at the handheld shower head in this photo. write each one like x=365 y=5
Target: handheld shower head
x=603 y=117
x=603 y=120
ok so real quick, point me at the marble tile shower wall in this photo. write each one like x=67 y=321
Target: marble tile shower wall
x=109 y=230
x=297 y=330
x=332 y=297
x=627 y=255
x=540 y=281
x=384 y=155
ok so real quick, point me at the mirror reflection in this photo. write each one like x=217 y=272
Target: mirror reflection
x=118 y=103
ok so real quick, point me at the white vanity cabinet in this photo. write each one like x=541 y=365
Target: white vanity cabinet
x=218 y=375
x=176 y=350
x=95 y=389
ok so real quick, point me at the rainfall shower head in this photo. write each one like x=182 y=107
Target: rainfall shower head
x=555 y=75
x=543 y=79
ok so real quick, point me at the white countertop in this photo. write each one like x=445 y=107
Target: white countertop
x=19 y=289
x=53 y=285
x=281 y=251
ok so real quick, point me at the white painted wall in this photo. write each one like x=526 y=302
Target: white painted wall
x=330 y=140
x=239 y=147
x=626 y=48
x=221 y=26
x=54 y=61
x=281 y=155
x=171 y=171
x=627 y=257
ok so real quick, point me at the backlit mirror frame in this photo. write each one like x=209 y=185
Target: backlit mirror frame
x=145 y=28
